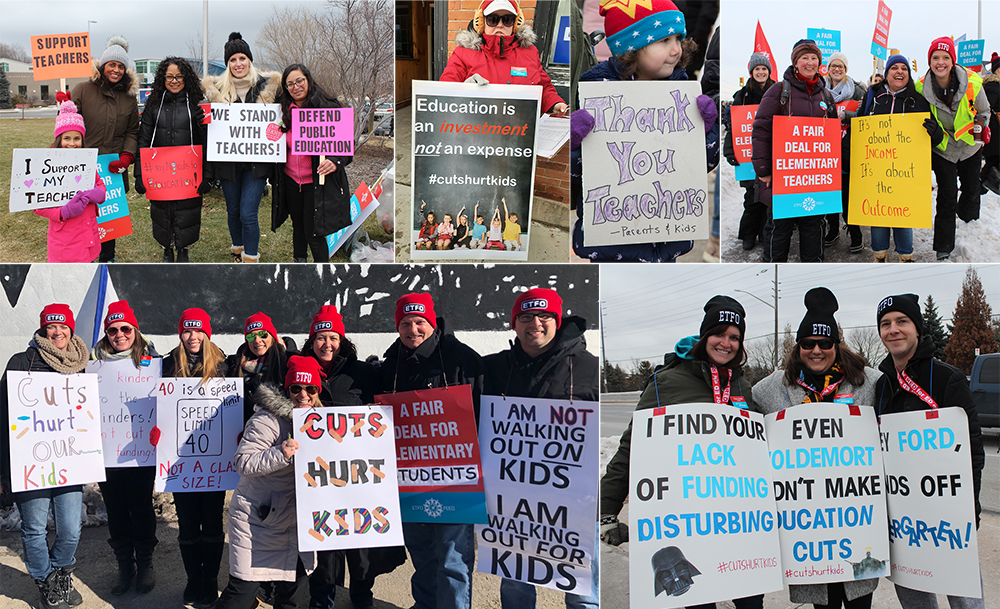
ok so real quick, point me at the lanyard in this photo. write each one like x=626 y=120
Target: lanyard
x=822 y=394
x=907 y=383
x=721 y=397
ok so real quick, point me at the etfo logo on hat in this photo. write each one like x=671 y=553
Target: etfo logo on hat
x=537 y=303
x=255 y=325
x=304 y=377
x=886 y=302
x=821 y=330
x=730 y=317
x=115 y=317
x=319 y=326
x=55 y=318
x=192 y=323
x=414 y=307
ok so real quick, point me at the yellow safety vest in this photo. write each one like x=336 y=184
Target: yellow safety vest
x=966 y=114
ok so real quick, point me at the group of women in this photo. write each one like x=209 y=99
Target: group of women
x=173 y=116
x=951 y=93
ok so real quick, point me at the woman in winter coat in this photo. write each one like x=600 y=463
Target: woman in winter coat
x=754 y=212
x=317 y=210
x=242 y=183
x=263 y=542
x=990 y=175
x=54 y=348
x=174 y=118
x=109 y=106
x=499 y=48
x=807 y=96
x=958 y=103
x=199 y=514
x=263 y=358
x=844 y=89
x=128 y=491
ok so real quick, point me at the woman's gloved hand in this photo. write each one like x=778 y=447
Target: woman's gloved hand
x=581 y=123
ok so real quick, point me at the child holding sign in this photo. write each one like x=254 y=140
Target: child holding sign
x=73 y=235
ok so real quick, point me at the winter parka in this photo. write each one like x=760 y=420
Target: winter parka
x=679 y=381
x=947 y=385
x=497 y=58
x=263 y=542
x=272 y=375
x=348 y=382
x=264 y=92
x=111 y=114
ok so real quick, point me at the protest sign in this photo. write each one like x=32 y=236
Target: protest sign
x=346 y=490
x=741 y=121
x=806 y=178
x=970 y=54
x=171 y=173
x=848 y=105
x=60 y=56
x=363 y=203
x=437 y=453
x=113 y=217
x=827 y=471
x=200 y=426
x=891 y=171
x=929 y=491
x=644 y=177
x=702 y=518
x=55 y=430
x=246 y=133
x=50 y=177
x=322 y=131
x=880 y=39
x=828 y=42
x=128 y=410
x=539 y=459
x=474 y=145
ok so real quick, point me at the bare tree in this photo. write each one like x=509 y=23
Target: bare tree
x=760 y=353
x=867 y=343
x=787 y=343
x=12 y=50
x=193 y=48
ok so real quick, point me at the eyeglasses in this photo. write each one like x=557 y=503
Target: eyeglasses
x=544 y=317
x=125 y=330
x=494 y=20
x=808 y=343
x=262 y=334
x=177 y=78
x=294 y=84
x=310 y=389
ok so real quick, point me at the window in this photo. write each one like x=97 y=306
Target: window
x=990 y=372
x=5 y=66
x=560 y=35
x=22 y=90
x=404 y=30
x=140 y=68
x=45 y=91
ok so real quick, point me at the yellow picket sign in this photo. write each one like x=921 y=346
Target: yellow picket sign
x=890 y=171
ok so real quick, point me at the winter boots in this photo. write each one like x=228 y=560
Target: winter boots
x=52 y=595
x=201 y=563
x=64 y=577
x=145 y=579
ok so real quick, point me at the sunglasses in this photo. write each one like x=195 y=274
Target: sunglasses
x=262 y=334
x=494 y=20
x=310 y=389
x=808 y=344
x=125 y=330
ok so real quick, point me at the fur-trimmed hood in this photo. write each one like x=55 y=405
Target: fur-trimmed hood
x=267 y=95
x=95 y=75
x=273 y=400
x=469 y=39
x=991 y=78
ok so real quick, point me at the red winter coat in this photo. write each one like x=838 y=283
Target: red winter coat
x=519 y=64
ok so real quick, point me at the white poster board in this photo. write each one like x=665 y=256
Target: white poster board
x=346 y=488
x=932 y=514
x=246 y=133
x=200 y=427
x=702 y=520
x=827 y=470
x=644 y=171
x=540 y=460
x=128 y=410
x=50 y=177
x=55 y=430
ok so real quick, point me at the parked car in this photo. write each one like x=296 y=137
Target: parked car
x=384 y=119
x=985 y=386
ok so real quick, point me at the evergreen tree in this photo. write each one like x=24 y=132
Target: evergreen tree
x=641 y=371
x=972 y=328
x=4 y=90
x=934 y=327
x=615 y=379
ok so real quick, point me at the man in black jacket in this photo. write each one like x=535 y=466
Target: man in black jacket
x=548 y=359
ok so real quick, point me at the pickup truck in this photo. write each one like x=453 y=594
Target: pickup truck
x=985 y=386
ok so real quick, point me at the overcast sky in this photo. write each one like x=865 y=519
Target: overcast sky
x=913 y=26
x=153 y=28
x=647 y=308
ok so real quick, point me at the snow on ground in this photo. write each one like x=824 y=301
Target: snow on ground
x=977 y=241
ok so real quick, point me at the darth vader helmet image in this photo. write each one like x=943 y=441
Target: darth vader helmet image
x=672 y=573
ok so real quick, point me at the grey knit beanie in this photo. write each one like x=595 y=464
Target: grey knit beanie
x=117 y=51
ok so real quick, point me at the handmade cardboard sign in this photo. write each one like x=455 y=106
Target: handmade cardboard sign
x=474 y=145
x=171 y=173
x=128 y=410
x=644 y=177
x=827 y=470
x=346 y=489
x=539 y=459
x=363 y=203
x=113 y=217
x=50 y=177
x=702 y=520
x=327 y=131
x=891 y=171
x=932 y=512
x=880 y=39
x=60 y=56
x=55 y=430
x=806 y=162
x=200 y=425
x=741 y=121
x=437 y=452
x=246 y=133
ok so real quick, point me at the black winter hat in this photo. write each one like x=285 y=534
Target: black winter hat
x=236 y=44
x=907 y=304
x=821 y=304
x=723 y=310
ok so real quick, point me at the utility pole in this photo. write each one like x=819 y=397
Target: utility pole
x=604 y=380
x=204 y=38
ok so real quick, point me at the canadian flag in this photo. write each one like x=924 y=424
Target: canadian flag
x=760 y=46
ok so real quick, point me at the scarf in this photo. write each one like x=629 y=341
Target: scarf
x=818 y=382
x=809 y=83
x=72 y=360
x=254 y=366
x=242 y=86
x=844 y=90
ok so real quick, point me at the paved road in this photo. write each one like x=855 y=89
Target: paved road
x=30 y=113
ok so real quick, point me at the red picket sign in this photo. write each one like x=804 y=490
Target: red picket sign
x=850 y=105
x=742 y=122
x=171 y=173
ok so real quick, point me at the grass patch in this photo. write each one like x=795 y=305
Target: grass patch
x=24 y=232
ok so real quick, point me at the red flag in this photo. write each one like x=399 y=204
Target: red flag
x=760 y=46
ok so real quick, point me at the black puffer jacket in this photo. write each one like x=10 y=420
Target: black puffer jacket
x=349 y=382
x=567 y=370
x=273 y=375
x=947 y=385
